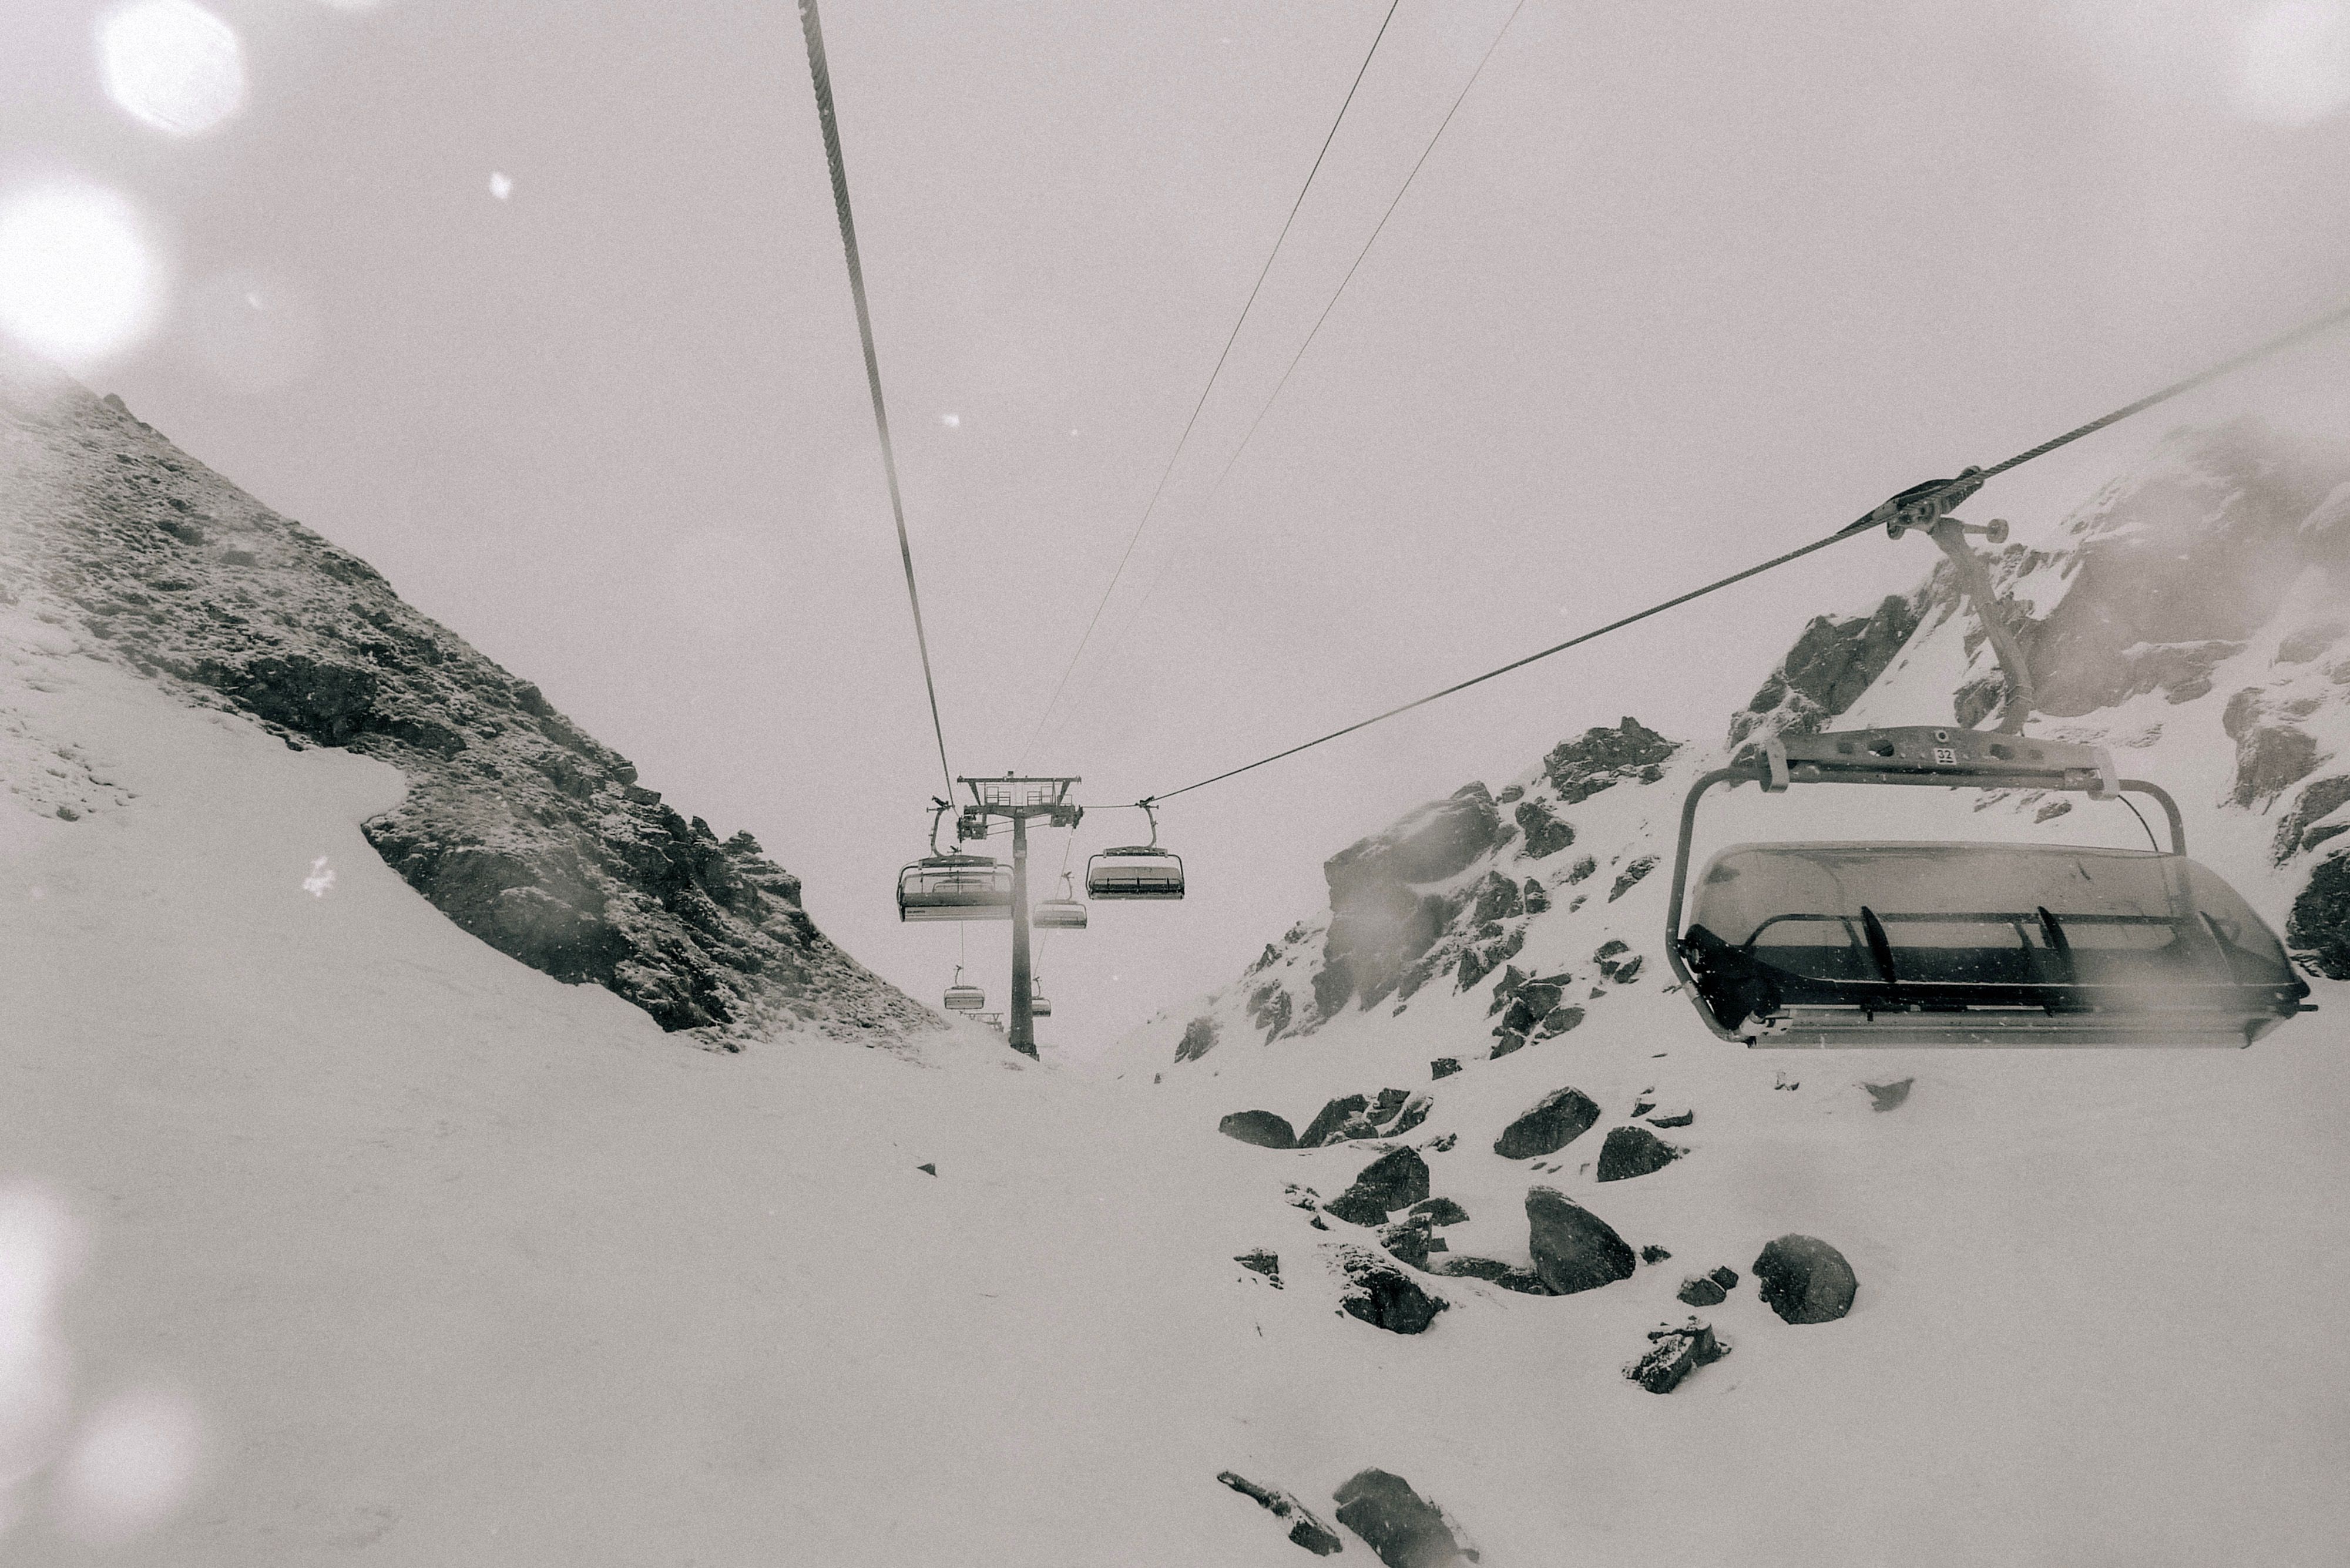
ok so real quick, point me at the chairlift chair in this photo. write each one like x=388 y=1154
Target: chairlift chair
x=955 y=887
x=961 y=998
x=1889 y=943
x=1065 y=913
x=1039 y=1005
x=1136 y=871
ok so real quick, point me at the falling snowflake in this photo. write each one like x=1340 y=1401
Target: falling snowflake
x=321 y=878
x=952 y=421
x=500 y=186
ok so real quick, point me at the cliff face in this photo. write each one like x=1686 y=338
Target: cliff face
x=520 y=828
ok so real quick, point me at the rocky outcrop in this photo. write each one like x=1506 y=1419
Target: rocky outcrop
x=1804 y=1279
x=1573 y=1249
x=1403 y=1528
x=516 y=825
x=1833 y=661
x=1380 y=923
x=1709 y=1289
x=1601 y=758
x=1673 y=1354
x=1262 y=1129
x=1199 y=1039
x=1262 y=1260
x=2303 y=827
x=1631 y=875
x=1557 y=1119
x=1545 y=834
x=1305 y=1529
x=1379 y=1293
x=2319 y=928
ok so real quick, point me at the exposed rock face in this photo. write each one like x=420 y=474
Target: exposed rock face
x=1804 y=1279
x=1331 y=1117
x=1441 y=1212
x=1443 y=1066
x=1379 y=924
x=1262 y=1260
x=1833 y=661
x=1545 y=833
x=1602 y=758
x=1305 y=1529
x=2319 y=928
x=1396 y=1179
x=1383 y=1295
x=521 y=828
x=1403 y=1528
x=1635 y=1151
x=1573 y=1249
x=2299 y=830
x=1630 y=876
x=1262 y=1129
x=1199 y=1039
x=1614 y=966
x=2270 y=759
x=1675 y=1353
x=1557 y=1119
x=2181 y=563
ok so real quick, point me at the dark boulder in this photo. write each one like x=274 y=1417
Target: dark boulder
x=1497 y=898
x=1262 y=1260
x=1262 y=1129
x=1444 y=1066
x=1403 y=1529
x=1602 y=757
x=1573 y=1249
x=1557 y=1119
x=1558 y=1021
x=1305 y=1529
x=1635 y=1151
x=1673 y=1354
x=1545 y=834
x=1581 y=869
x=1652 y=1253
x=1630 y=877
x=1509 y=1276
x=1441 y=1212
x=1397 y=1179
x=1614 y=967
x=1804 y=1279
x=1673 y=1119
x=1383 y=1295
x=1332 y=1117
x=2271 y=758
x=1537 y=901
x=1725 y=1276
x=1702 y=1290
x=1407 y=1240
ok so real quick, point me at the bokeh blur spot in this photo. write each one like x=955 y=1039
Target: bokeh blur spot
x=79 y=281
x=132 y=1464
x=172 y=64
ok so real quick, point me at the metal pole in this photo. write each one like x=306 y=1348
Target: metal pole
x=1024 y=1027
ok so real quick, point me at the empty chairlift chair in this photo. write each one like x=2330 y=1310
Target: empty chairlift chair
x=1065 y=913
x=955 y=887
x=1968 y=944
x=961 y=998
x=1136 y=871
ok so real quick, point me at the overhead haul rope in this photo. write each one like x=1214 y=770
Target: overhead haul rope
x=1874 y=518
x=1161 y=488
x=812 y=28
x=1226 y=471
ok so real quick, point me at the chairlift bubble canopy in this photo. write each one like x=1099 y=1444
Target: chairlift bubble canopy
x=955 y=887
x=1897 y=943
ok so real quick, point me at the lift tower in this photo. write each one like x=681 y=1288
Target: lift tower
x=1018 y=799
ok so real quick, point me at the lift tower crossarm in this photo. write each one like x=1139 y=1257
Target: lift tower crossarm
x=1016 y=798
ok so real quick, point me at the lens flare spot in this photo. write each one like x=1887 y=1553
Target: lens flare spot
x=77 y=280
x=500 y=186
x=39 y=1247
x=172 y=64
x=133 y=1462
x=2292 y=62
x=952 y=421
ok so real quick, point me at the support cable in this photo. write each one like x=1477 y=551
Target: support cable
x=812 y=29
x=1923 y=496
x=1161 y=488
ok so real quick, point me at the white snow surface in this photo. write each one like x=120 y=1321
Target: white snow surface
x=340 y=1237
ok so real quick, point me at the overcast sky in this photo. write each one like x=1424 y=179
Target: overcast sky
x=541 y=308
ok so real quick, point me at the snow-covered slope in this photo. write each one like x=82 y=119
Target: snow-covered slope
x=2074 y=1267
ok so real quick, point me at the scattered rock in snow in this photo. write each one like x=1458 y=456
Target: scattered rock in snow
x=1509 y=1276
x=1557 y=1119
x=1573 y=1249
x=1581 y=870
x=1888 y=1096
x=1305 y=1529
x=1702 y=1290
x=1537 y=901
x=1262 y=1129
x=1407 y=1240
x=1630 y=877
x=1725 y=1276
x=1673 y=1354
x=1804 y=1279
x=1403 y=1529
x=1199 y=1039
x=1444 y=1066
x=1680 y=1118
x=1381 y=1295
x=1505 y=1041
x=1396 y=1179
x=1443 y=1143
x=1441 y=1212
x=1614 y=967
x=1514 y=792
x=1333 y=1116
x=1652 y=1253
x=1635 y=1151
x=2271 y=758
x=926 y=1169
x=1262 y=1260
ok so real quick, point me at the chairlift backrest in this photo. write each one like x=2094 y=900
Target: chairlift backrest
x=1136 y=871
x=955 y=887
